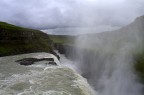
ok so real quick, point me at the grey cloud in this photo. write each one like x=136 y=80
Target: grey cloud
x=46 y=14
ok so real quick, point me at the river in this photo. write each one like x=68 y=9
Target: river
x=40 y=78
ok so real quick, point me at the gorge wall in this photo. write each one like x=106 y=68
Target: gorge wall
x=18 y=40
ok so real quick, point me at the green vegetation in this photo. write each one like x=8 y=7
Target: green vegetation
x=17 y=40
x=139 y=65
x=62 y=39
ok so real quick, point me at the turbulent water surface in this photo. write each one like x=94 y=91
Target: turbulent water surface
x=39 y=79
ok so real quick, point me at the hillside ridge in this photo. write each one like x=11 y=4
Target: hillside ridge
x=18 y=40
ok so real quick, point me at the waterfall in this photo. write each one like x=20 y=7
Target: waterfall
x=106 y=60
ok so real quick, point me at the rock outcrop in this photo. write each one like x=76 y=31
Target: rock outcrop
x=30 y=61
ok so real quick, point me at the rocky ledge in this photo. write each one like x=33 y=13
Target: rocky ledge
x=30 y=61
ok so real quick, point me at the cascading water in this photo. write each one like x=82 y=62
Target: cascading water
x=106 y=60
x=40 y=78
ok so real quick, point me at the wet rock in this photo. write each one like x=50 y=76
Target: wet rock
x=30 y=61
x=26 y=63
x=51 y=63
x=54 y=53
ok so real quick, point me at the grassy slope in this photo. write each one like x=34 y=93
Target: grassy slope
x=17 y=40
x=62 y=39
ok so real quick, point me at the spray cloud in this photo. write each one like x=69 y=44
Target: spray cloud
x=106 y=59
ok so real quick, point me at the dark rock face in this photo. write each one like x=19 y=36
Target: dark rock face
x=26 y=63
x=60 y=47
x=51 y=63
x=30 y=61
x=68 y=50
x=54 y=53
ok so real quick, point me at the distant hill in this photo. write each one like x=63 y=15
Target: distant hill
x=18 y=40
x=62 y=39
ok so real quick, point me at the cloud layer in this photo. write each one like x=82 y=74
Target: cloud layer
x=46 y=14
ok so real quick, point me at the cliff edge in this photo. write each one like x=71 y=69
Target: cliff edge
x=18 y=40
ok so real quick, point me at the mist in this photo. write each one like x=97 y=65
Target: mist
x=106 y=59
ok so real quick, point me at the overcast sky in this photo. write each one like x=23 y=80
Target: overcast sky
x=101 y=15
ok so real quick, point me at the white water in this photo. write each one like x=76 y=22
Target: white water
x=106 y=60
x=40 y=79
